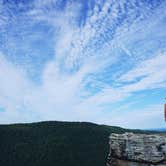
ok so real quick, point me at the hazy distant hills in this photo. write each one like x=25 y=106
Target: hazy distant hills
x=158 y=129
x=55 y=144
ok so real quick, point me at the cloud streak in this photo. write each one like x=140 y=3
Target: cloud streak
x=101 y=54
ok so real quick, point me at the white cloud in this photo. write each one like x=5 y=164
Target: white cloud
x=149 y=117
x=14 y=86
x=81 y=51
x=150 y=74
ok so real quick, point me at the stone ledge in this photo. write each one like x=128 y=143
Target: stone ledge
x=140 y=149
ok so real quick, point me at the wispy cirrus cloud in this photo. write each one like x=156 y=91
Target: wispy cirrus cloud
x=101 y=54
x=148 y=74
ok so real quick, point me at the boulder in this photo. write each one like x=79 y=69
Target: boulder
x=137 y=150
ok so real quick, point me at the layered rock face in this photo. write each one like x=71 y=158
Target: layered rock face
x=137 y=150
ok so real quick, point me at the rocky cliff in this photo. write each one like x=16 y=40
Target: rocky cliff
x=137 y=150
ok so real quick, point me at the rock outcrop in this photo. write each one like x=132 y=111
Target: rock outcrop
x=137 y=150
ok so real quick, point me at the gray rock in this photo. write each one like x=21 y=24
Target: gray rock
x=137 y=150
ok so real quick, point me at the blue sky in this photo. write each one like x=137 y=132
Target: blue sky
x=97 y=60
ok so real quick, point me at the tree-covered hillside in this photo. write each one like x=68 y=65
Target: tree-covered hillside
x=55 y=144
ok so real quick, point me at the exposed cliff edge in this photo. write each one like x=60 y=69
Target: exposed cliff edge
x=137 y=150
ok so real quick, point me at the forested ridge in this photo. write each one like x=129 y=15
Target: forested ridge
x=55 y=143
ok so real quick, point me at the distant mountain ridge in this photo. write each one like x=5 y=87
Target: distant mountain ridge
x=55 y=143
x=157 y=129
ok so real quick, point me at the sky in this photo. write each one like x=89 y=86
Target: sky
x=101 y=61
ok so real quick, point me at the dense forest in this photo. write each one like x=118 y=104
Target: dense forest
x=55 y=144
